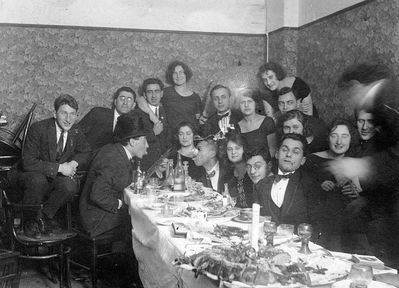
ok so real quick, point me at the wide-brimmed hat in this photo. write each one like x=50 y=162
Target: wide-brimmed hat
x=128 y=126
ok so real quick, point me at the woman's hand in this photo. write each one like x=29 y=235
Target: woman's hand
x=306 y=105
x=351 y=190
x=328 y=185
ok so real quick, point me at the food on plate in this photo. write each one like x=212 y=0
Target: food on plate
x=229 y=231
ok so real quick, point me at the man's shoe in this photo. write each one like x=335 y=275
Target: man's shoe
x=32 y=230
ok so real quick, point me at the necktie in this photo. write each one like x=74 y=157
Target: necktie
x=223 y=115
x=156 y=112
x=208 y=178
x=278 y=177
x=213 y=173
x=60 y=145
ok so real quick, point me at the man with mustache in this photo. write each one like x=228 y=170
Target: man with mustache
x=54 y=150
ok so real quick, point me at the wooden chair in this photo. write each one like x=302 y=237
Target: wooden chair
x=46 y=248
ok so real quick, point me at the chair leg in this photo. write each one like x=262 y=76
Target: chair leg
x=67 y=271
x=94 y=265
x=61 y=264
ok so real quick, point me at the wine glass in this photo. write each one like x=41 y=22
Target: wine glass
x=361 y=275
x=270 y=229
x=305 y=232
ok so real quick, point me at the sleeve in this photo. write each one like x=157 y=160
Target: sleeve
x=85 y=124
x=198 y=104
x=268 y=126
x=82 y=149
x=31 y=158
x=301 y=87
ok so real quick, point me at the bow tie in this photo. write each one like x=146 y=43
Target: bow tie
x=222 y=116
x=210 y=175
x=278 y=177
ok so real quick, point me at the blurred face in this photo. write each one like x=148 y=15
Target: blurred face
x=234 y=152
x=153 y=94
x=290 y=155
x=204 y=154
x=257 y=168
x=247 y=105
x=221 y=100
x=124 y=102
x=270 y=80
x=186 y=136
x=139 y=147
x=287 y=102
x=293 y=126
x=65 y=116
x=340 y=139
x=179 y=76
x=365 y=125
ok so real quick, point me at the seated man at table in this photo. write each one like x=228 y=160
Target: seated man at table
x=54 y=150
x=257 y=166
x=213 y=171
x=101 y=206
x=99 y=124
x=290 y=196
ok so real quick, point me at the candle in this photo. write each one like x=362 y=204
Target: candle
x=255 y=226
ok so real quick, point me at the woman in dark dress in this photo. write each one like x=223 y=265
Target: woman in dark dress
x=179 y=101
x=239 y=184
x=184 y=137
x=258 y=130
x=295 y=121
x=337 y=193
x=273 y=77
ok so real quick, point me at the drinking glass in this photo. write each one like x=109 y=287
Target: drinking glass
x=286 y=230
x=233 y=201
x=270 y=229
x=305 y=232
x=361 y=275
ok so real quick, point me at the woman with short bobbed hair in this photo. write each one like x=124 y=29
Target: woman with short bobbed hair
x=180 y=102
x=273 y=78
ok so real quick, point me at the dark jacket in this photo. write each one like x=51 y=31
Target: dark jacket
x=97 y=125
x=41 y=148
x=300 y=201
x=205 y=181
x=211 y=126
x=110 y=172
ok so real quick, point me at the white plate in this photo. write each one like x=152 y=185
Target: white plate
x=164 y=222
x=239 y=220
x=374 y=284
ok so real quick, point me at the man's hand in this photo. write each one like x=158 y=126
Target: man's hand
x=158 y=128
x=328 y=185
x=67 y=169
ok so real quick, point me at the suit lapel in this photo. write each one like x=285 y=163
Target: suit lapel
x=221 y=178
x=290 y=193
x=271 y=206
x=110 y=120
x=126 y=162
x=52 y=140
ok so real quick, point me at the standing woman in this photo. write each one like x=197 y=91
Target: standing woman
x=273 y=77
x=180 y=103
x=337 y=193
x=258 y=130
x=237 y=179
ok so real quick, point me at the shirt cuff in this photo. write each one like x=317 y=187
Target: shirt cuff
x=120 y=203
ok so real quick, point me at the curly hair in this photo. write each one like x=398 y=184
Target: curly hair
x=274 y=67
x=171 y=69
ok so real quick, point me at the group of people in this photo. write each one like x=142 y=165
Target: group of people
x=285 y=159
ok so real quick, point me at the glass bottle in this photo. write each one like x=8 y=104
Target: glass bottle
x=170 y=174
x=179 y=183
x=226 y=195
x=139 y=179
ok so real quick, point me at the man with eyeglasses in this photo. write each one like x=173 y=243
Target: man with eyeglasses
x=99 y=124
x=54 y=150
x=290 y=196
x=152 y=89
x=257 y=166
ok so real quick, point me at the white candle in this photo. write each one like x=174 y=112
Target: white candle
x=255 y=226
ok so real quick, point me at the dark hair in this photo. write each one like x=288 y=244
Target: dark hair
x=296 y=137
x=219 y=86
x=125 y=89
x=272 y=66
x=340 y=121
x=365 y=73
x=171 y=69
x=295 y=114
x=65 y=99
x=254 y=95
x=286 y=90
x=237 y=138
x=150 y=81
x=256 y=152
x=177 y=129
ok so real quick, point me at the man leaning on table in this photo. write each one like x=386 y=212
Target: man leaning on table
x=213 y=172
x=101 y=206
x=290 y=196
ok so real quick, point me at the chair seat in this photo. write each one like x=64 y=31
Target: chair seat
x=46 y=239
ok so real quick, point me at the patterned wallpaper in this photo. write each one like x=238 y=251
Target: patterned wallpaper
x=369 y=32
x=283 y=48
x=37 y=64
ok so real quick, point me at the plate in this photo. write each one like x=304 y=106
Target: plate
x=373 y=284
x=164 y=222
x=239 y=220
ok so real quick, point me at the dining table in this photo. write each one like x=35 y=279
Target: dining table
x=157 y=246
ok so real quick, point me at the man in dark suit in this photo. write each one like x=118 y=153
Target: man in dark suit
x=290 y=196
x=152 y=89
x=98 y=125
x=213 y=173
x=54 y=150
x=224 y=118
x=101 y=205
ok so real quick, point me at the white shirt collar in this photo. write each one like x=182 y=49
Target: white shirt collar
x=129 y=156
x=228 y=111
x=116 y=115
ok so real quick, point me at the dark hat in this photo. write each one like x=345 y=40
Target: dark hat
x=128 y=126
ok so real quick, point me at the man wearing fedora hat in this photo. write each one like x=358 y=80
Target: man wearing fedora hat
x=101 y=206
